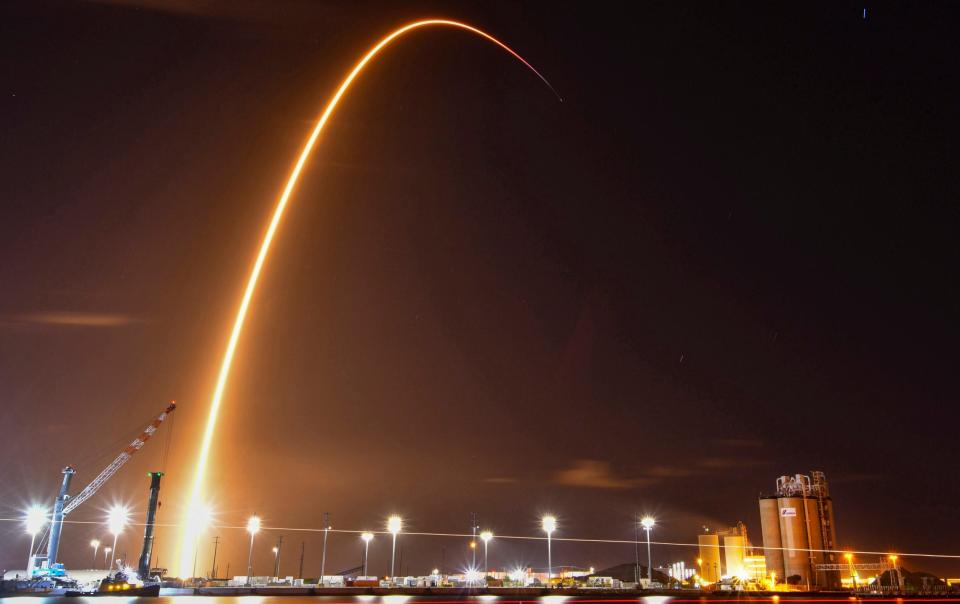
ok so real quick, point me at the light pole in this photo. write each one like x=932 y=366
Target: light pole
x=486 y=536
x=95 y=544
x=647 y=523
x=117 y=519
x=106 y=555
x=367 y=538
x=394 y=525
x=253 y=526
x=549 y=524
x=34 y=520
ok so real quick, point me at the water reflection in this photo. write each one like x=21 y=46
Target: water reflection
x=478 y=599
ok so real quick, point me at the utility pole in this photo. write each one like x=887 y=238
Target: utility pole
x=636 y=547
x=213 y=566
x=303 y=545
x=473 y=538
x=276 y=560
x=326 y=532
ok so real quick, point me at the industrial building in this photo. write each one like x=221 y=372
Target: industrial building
x=732 y=542
x=799 y=531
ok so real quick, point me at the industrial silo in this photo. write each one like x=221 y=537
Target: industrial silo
x=734 y=551
x=814 y=525
x=770 y=529
x=793 y=537
x=710 y=569
x=803 y=529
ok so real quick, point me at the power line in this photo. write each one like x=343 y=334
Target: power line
x=532 y=538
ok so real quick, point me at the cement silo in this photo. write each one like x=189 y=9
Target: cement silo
x=734 y=552
x=799 y=539
x=710 y=568
x=770 y=529
x=793 y=539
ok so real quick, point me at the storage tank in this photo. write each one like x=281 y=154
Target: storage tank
x=793 y=536
x=770 y=529
x=815 y=537
x=734 y=550
x=710 y=555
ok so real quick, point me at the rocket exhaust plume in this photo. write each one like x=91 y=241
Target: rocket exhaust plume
x=196 y=495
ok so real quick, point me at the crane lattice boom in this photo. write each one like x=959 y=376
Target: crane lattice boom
x=117 y=463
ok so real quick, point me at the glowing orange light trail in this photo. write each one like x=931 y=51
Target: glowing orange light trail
x=189 y=538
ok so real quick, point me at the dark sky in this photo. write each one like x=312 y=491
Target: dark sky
x=729 y=254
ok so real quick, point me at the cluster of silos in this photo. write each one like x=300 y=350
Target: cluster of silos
x=797 y=525
x=734 y=550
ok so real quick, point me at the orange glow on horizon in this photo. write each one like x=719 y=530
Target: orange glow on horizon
x=196 y=496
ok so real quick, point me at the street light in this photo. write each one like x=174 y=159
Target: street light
x=95 y=544
x=486 y=536
x=647 y=523
x=33 y=521
x=473 y=576
x=117 y=519
x=549 y=524
x=394 y=525
x=253 y=527
x=367 y=538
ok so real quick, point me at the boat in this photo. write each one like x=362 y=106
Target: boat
x=120 y=583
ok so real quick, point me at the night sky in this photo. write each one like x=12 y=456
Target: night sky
x=729 y=254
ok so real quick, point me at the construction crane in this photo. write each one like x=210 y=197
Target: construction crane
x=64 y=504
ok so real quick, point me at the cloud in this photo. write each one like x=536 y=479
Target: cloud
x=594 y=474
x=75 y=319
x=500 y=480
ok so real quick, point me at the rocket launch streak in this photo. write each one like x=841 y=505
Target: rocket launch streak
x=188 y=538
